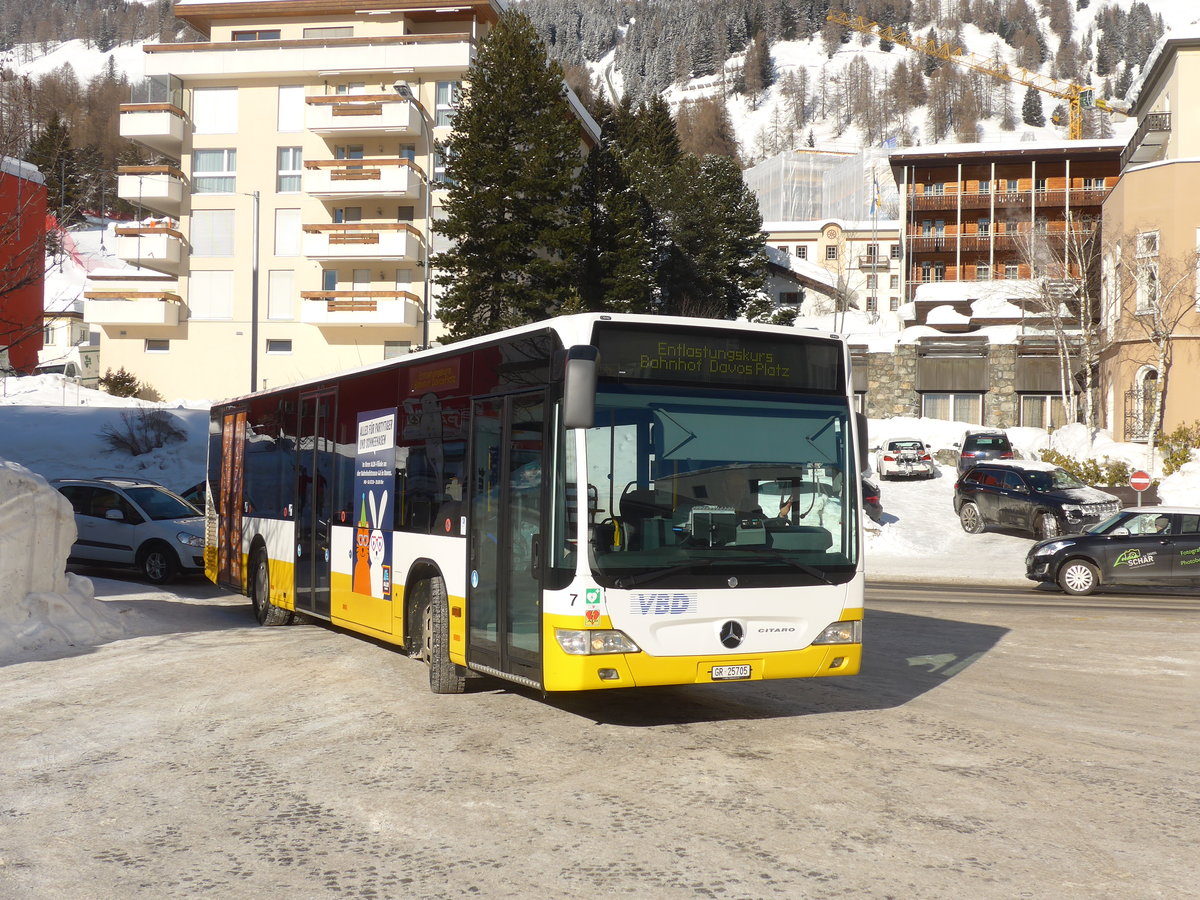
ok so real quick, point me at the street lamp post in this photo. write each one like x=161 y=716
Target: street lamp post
x=254 y=294
x=405 y=92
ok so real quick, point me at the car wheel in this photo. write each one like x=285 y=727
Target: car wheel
x=1047 y=526
x=444 y=676
x=158 y=563
x=1078 y=577
x=266 y=612
x=971 y=518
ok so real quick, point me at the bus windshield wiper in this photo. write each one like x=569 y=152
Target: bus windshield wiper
x=628 y=581
x=787 y=560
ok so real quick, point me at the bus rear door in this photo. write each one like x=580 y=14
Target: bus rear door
x=314 y=491
x=505 y=497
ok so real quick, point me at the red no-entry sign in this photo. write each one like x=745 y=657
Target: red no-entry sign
x=1139 y=481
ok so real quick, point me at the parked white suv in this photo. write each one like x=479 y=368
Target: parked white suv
x=131 y=522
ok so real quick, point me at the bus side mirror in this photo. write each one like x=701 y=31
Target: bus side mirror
x=579 y=387
x=861 y=423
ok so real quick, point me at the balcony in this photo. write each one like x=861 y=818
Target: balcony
x=156 y=247
x=873 y=262
x=159 y=188
x=362 y=240
x=131 y=308
x=359 y=308
x=1149 y=142
x=341 y=115
x=311 y=56
x=159 y=126
x=336 y=179
x=931 y=244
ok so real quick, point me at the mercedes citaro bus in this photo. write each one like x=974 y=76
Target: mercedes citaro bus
x=593 y=501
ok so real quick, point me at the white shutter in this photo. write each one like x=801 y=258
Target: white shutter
x=210 y=294
x=291 y=107
x=287 y=232
x=279 y=294
x=215 y=110
x=212 y=232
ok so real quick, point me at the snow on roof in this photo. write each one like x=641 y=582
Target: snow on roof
x=1178 y=35
x=810 y=270
x=1008 y=146
x=988 y=291
x=946 y=315
x=21 y=169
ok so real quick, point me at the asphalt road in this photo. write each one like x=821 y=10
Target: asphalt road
x=997 y=744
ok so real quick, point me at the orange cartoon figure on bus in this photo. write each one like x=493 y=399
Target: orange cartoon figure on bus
x=362 y=540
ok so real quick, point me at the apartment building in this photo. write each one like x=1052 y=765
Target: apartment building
x=986 y=212
x=22 y=263
x=1151 y=290
x=285 y=226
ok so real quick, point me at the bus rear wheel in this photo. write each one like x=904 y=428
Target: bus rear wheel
x=444 y=676
x=266 y=612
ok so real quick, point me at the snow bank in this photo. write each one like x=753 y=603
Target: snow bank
x=42 y=605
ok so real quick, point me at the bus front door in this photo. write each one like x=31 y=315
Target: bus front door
x=504 y=591
x=314 y=491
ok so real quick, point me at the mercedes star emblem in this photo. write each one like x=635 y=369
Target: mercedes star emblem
x=732 y=634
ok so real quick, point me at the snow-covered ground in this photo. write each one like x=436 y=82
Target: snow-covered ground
x=49 y=429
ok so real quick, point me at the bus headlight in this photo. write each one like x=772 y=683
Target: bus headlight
x=593 y=642
x=841 y=633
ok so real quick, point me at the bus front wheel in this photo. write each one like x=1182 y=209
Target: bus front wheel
x=444 y=676
x=266 y=612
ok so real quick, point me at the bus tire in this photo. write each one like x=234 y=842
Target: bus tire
x=444 y=676
x=266 y=612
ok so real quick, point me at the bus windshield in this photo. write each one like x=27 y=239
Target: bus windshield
x=710 y=487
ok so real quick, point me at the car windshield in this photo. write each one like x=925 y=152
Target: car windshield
x=160 y=504
x=696 y=487
x=1053 y=480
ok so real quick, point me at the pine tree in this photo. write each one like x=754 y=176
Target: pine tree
x=1031 y=109
x=52 y=153
x=513 y=209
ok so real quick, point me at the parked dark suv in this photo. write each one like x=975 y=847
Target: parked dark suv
x=1031 y=496
x=977 y=446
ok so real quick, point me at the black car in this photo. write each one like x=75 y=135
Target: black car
x=1146 y=545
x=871 y=503
x=1031 y=496
x=977 y=446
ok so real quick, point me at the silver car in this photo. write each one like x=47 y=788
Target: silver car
x=904 y=457
x=132 y=522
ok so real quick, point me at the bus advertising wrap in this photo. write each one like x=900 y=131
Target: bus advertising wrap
x=374 y=487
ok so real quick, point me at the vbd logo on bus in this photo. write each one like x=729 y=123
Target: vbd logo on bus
x=664 y=604
x=1134 y=559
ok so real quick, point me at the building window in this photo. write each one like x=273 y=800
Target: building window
x=349 y=151
x=894 y=251
x=277 y=346
x=287 y=180
x=937 y=188
x=1040 y=224
x=403 y=279
x=344 y=214
x=927 y=228
x=1012 y=270
x=212 y=232
x=446 y=102
x=791 y=298
x=983 y=272
x=392 y=349
x=261 y=34
x=802 y=251
x=350 y=89
x=872 y=282
x=939 y=271
x=894 y=283
x=330 y=31
x=985 y=226
x=157 y=346
x=329 y=279
x=215 y=110
x=784 y=250
x=872 y=305
x=440 y=156
x=873 y=251
x=953 y=407
x=210 y=294
x=1147 y=286
x=985 y=186
x=287 y=232
x=1040 y=186
x=290 y=112
x=214 y=171
x=926 y=271
x=408 y=152
x=1013 y=185
x=1042 y=411
x=1147 y=244
x=831 y=251
x=1093 y=184
x=893 y=303
x=279 y=294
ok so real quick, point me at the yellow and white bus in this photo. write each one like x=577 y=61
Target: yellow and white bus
x=594 y=501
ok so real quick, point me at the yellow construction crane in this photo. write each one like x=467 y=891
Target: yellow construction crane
x=1077 y=96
